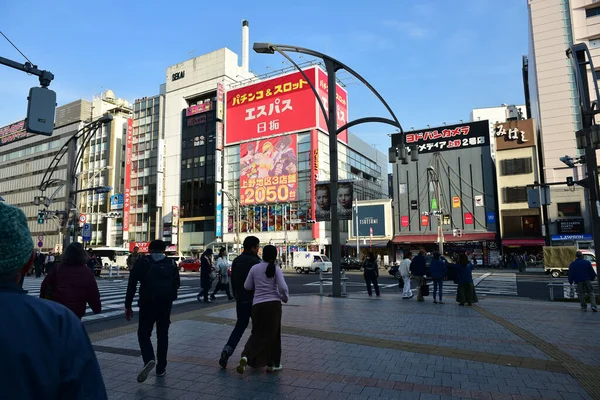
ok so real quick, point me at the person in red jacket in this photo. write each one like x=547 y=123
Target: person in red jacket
x=72 y=283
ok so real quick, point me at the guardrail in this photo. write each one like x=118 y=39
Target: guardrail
x=111 y=268
x=552 y=284
x=328 y=277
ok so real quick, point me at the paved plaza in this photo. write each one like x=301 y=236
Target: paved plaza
x=367 y=348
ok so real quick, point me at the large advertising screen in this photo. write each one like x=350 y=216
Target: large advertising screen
x=371 y=219
x=12 y=132
x=341 y=105
x=451 y=137
x=269 y=170
x=345 y=198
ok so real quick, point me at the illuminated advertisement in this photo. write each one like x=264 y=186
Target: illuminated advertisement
x=12 y=132
x=116 y=201
x=345 y=198
x=269 y=171
x=451 y=137
x=127 y=195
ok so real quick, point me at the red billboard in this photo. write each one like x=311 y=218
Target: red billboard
x=142 y=246
x=12 y=132
x=127 y=199
x=341 y=105
x=269 y=170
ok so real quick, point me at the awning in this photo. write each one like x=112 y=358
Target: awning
x=524 y=242
x=448 y=238
x=374 y=243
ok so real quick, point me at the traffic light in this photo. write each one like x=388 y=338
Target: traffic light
x=568 y=161
x=570 y=181
x=41 y=217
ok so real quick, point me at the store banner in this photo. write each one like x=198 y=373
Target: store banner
x=371 y=220
x=314 y=178
x=468 y=218
x=341 y=96
x=142 y=246
x=323 y=201
x=116 y=201
x=269 y=171
x=220 y=101
x=285 y=104
x=12 y=132
x=174 y=224
x=424 y=220
x=404 y=221
x=127 y=194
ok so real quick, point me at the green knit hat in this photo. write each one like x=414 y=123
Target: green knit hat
x=16 y=245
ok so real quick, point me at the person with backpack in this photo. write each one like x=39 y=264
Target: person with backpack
x=371 y=273
x=159 y=282
x=223 y=282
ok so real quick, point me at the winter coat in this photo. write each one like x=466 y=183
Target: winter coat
x=239 y=273
x=223 y=266
x=464 y=273
x=405 y=268
x=418 y=266
x=437 y=269
x=72 y=286
x=580 y=271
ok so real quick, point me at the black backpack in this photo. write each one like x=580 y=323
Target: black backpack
x=370 y=266
x=161 y=279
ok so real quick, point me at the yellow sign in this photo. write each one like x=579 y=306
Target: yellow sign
x=456 y=202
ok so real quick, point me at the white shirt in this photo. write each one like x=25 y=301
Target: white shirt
x=405 y=267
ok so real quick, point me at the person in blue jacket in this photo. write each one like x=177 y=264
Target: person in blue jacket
x=44 y=348
x=582 y=273
x=437 y=270
x=418 y=268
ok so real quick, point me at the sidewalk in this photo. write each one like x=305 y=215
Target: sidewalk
x=362 y=348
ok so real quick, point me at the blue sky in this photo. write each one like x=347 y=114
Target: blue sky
x=432 y=60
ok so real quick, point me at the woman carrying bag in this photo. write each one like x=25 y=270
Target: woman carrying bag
x=223 y=278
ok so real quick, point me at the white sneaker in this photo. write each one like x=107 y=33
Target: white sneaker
x=145 y=371
x=275 y=369
x=242 y=365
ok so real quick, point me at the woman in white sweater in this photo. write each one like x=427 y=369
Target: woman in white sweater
x=223 y=271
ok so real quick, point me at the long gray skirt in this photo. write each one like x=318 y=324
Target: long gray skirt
x=466 y=293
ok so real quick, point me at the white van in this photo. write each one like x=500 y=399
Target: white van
x=112 y=256
x=311 y=261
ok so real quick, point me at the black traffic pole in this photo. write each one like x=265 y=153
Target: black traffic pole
x=332 y=66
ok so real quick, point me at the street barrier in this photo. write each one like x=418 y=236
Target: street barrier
x=328 y=277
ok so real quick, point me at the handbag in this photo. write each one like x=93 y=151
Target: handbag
x=424 y=290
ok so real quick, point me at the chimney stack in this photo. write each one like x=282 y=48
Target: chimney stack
x=245 y=46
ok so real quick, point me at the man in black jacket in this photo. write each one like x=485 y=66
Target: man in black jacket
x=243 y=298
x=418 y=267
x=159 y=281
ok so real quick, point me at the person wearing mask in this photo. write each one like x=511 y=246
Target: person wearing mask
x=437 y=270
x=223 y=282
x=371 y=273
x=206 y=270
x=418 y=268
x=72 y=284
x=132 y=258
x=582 y=273
x=465 y=292
x=46 y=352
x=263 y=348
x=243 y=298
x=405 y=273
x=159 y=282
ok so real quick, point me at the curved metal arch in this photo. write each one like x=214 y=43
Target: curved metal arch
x=281 y=48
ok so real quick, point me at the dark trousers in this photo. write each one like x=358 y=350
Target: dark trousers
x=205 y=284
x=372 y=279
x=243 y=310
x=159 y=312
x=38 y=271
x=438 y=284
x=220 y=286
x=264 y=345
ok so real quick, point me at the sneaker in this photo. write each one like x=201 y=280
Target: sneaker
x=145 y=371
x=461 y=304
x=242 y=365
x=275 y=369
x=162 y=373
x=435 y=302
x=594 y=309
x=207 y=301
x=213 y=297
x=441 y=302
x=420 y=299
x=224 y=358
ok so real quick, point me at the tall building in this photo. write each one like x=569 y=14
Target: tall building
x=25 y=158
x=147 y=171
x=553 y=26
x=104 y=163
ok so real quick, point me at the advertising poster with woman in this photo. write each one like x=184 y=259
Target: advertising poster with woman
x=345 y=198
x=269 y=171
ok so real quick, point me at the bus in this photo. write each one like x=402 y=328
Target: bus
x=112 y=256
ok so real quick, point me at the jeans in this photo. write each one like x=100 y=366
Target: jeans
x=243 y=310
x=220 y=286
x=438 y=283
x=584 y=288
x=159 y=312
x=372 y=279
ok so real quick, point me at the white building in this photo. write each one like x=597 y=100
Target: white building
x=498 y=115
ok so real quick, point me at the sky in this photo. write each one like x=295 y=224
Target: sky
x=433 y=61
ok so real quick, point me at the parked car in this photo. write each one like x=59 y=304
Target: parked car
x=189 y=265
x=177 y=259
x=349 y=263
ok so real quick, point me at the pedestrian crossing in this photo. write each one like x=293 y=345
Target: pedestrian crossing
x=112 y=296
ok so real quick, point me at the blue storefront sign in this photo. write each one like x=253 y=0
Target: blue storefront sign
x=583 y=236
x=116 y=201
x=490 y=217
x=219 y=216
x=371 y=217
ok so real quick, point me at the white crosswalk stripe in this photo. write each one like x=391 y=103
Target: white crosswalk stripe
x=112 y=296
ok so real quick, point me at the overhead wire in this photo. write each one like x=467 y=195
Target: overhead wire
x=13 y=45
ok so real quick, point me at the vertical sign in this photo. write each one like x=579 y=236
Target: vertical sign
x=404 y=221
x=219 y=217
x=160 y=159
x=314 y=177
x=424 y=220
x=159 y=189
x=468 y=218
x=220 y=102
x=219 y=135
x=174 y=224
x=127 y=199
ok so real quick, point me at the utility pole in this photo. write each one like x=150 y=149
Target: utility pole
x=357 y=238
x=439 y=212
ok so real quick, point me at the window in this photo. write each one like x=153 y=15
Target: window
x=592 y=12
x=569 y=209
x=516 y=166
x=514 y=195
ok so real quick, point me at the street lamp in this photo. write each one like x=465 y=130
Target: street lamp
x=439 y=212
x=332 y=66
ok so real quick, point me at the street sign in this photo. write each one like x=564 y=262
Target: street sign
x=295 y=221
x=40 y=244
x=82 y=218
x=455 y=202
x=86 y=232
x=40 y=238
x=478 y=200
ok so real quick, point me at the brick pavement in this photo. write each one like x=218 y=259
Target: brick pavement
x=361 y=348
